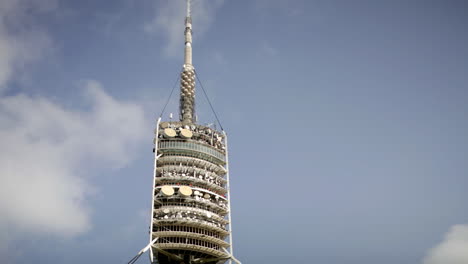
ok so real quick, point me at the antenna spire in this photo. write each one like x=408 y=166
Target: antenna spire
x=187 y=82
x=188 y=8
x=188 y=35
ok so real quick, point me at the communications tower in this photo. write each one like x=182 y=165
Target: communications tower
x=190 y=214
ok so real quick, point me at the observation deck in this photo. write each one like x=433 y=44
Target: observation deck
x=190 y=206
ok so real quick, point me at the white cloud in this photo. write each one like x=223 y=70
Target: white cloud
x=22 y=42
x=169 y=20
x=46 y=151
x=452 y=250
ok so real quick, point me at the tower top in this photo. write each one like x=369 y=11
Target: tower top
x=187 y=82
x=188 y=35
x=188 y=8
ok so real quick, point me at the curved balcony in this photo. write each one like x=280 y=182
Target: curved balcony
x=191 y=210
x=205 y=134
x=187 y=229
x=192 y=148
x=160 y=203
x=191 y=161
x=202 y=237
x=192 y=180
x=201 y=249
x=192 y=223
x=190 y=171
x=164 y=201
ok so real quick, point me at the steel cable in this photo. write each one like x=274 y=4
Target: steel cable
x=170 y=95
x=208 y=99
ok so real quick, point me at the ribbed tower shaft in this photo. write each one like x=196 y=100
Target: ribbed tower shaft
x=187 y=79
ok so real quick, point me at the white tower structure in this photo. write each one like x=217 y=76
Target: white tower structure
x=190 y=215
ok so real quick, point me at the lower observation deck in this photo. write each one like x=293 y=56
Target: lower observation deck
x=201 y=237
x=184 y=249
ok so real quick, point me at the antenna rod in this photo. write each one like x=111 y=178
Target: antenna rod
x=188 y=8
x=187 y=82
x=188 y=35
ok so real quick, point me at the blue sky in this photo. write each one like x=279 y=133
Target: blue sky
x=347 y=124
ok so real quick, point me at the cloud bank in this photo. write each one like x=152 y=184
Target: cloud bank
x=169 y=21
x=46 y=152
x=452 y=250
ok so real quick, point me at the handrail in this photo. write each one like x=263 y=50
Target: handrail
x=194 y=146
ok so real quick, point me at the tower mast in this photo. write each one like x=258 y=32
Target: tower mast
x=191 y=210
x=187 y=79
